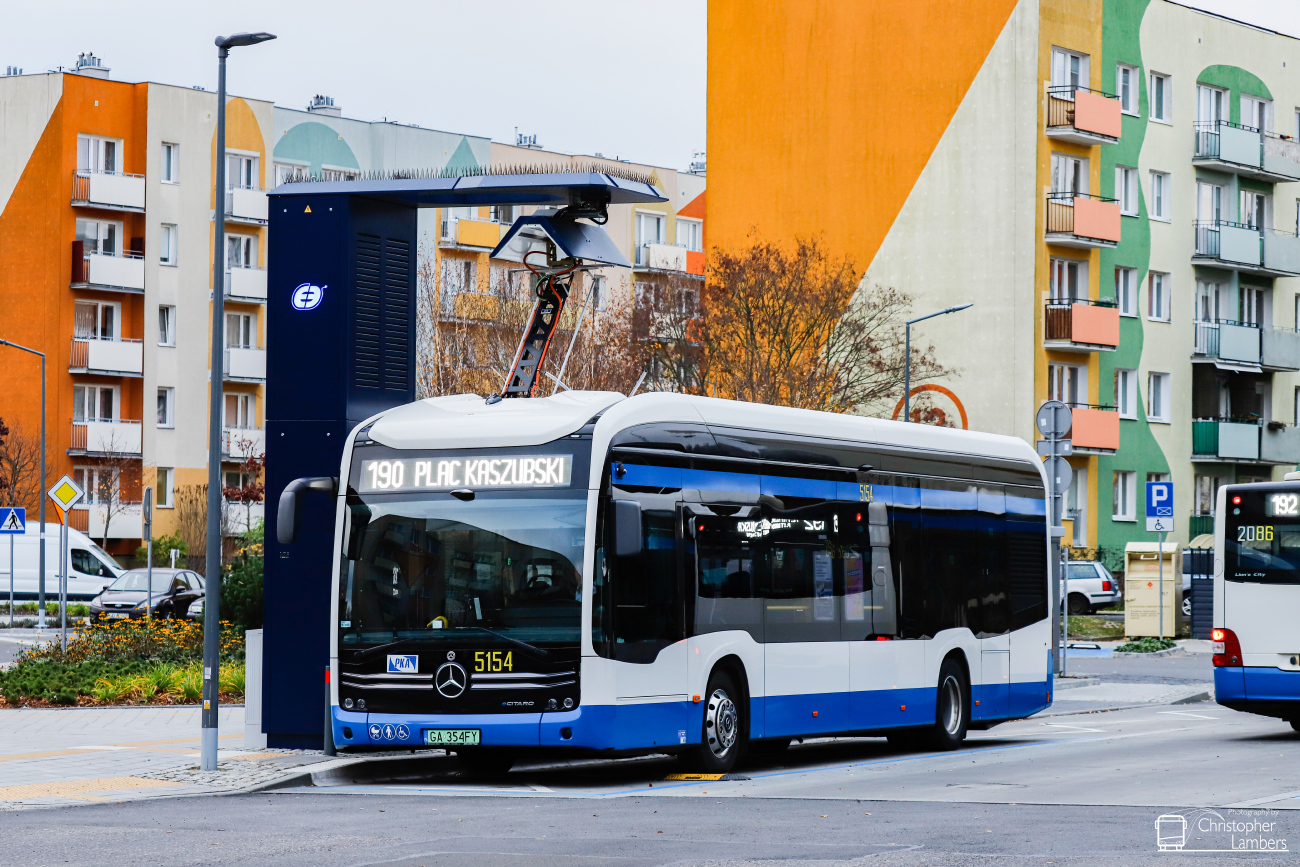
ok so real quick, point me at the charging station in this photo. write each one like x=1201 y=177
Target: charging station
x=341 y=346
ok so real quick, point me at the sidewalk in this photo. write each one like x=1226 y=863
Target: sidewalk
x=77 y=755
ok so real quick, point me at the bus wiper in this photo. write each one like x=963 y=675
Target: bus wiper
x=532 y=648
x=379 y=648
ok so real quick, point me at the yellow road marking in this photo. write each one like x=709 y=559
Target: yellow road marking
x=77 y=788
x=694 y=777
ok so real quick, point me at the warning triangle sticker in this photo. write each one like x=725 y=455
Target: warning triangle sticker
x=307 y=210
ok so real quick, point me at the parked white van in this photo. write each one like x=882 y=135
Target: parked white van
x=91 y=568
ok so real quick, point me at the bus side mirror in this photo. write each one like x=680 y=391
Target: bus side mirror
x=627 y=528
x=286 y=515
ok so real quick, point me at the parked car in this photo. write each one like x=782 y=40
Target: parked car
x=129 y=596
x=89 y=567
x=1091 y=586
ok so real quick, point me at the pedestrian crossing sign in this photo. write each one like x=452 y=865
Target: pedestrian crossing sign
x=13 y=520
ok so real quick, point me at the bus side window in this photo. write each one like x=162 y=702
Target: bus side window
x=799 y=585
x=726 y=577
x=647 y=604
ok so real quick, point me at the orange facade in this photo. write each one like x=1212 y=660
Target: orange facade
x=37 y=230
x=822 y=114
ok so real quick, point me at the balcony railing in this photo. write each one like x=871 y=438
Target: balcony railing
x=238 y=443
x=245 y=364
x=1227 y=340
x=114 y=191
x=1199 y=525
x=246 y=284
x=246 y=205
x=1247 y=248
x=661 y=257
x=106 y=437
x=1094 y=428
x=127 y=521
x=1083 y=116
x=123 y=273
x=1280 y=348
x=1082 y=220
x=1247 y=150
x=1081 y=325
x=116 y=357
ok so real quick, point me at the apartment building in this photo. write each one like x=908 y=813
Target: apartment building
x=1113 y=183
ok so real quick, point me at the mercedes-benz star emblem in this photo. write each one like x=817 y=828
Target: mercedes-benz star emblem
x=450 y=680
x=451 y=654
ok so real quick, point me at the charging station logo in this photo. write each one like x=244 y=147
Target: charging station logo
x=307 y=296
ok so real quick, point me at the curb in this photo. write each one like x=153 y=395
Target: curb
x=1059 y=684
x=1169 y=651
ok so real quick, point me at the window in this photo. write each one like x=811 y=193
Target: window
x=1068 y=279
x=1126 y=190
x=1158 y=397
x=287 y=174
x=1077 y=504
x=1210 y=102
x=98 y=155
x=1158 y=100
x=166 y=325
x=241 y=172
x=1069 y=68
x=1207 y=301
x=1255 y=210
x=235 y=479
x=95 y=320
x=240 y=410
x=690 y=234
x=1251 y=305
x=241 y=330
x=1158 y=296
x=1126 y=392
x=1069 y=174
x=171 y=163
x=504 y=214
x=1205 y=490
x=241 y=251
x=94 y=403
x=167 y=245
x=1126 y=83
x=162 y=489
x=1126 y=291
x=449 y=218
x=166 y=407
x=1123 y=506
x=1068 y=383
x=649 y=230
x=458 y=275
x=99 y=236
x=101 y=485
x=1257 y=113
x=1159 y=196
x=598 y=293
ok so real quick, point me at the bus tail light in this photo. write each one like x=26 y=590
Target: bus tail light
x=1227 y=649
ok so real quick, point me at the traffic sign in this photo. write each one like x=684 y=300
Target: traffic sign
x=66 y=493
x=13 y=521
x=1052 y=448
x=1054 y=419
x=1059 y=471
x=1160 y=507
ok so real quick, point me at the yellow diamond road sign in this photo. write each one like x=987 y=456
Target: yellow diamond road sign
x=66 y=493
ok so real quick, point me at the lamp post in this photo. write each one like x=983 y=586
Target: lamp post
x=40 y=592
x=907 y=353
x=212 y=578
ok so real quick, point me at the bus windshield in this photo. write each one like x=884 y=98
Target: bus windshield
x=1262 y=537
x=433 y=567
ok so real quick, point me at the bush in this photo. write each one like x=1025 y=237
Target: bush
x=241 y=586
x=162 y=551
x=1145 y=645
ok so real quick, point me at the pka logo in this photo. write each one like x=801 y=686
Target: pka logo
x=307 y=296
x=404 y=664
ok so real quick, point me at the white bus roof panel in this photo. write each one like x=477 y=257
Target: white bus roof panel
x=464 y=421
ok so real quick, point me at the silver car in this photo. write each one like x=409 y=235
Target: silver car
x=1091 y=586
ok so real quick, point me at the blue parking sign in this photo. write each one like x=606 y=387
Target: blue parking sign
x=1160 y=507
x=13 y=521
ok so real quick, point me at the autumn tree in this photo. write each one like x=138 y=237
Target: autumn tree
x=20 y=466
x=790 y=327
x=252 y=485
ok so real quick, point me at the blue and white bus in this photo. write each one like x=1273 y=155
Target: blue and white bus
x=1257 y=599
x=609 y=576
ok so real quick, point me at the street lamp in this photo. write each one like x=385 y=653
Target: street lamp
x=40 y=592
x=212 y=580
x=907 y=352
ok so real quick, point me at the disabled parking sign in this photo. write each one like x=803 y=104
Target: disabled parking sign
x=1160 y=507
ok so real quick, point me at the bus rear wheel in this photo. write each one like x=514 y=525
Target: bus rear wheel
x=721 y=734
x=952 y=707
x=1295 y=724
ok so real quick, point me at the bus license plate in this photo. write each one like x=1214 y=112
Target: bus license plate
x=451 y=737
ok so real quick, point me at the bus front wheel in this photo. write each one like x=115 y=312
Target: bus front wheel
x=721 y=739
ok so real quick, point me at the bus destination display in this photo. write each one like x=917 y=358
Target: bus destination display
x=1282 y=505
x=445 y=474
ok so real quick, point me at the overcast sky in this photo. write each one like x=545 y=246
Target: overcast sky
x=612 y=76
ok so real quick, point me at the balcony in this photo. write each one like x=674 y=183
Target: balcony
x=127 y=521
x=1280 y=349
x=478 y=234
x=105 y=271
x=1245 y=441
x=1094 y=429
x=1083 y=116
x=112 y=191
x=662 y=257
x=695 y=262
x=246 y=284
x=239 y=443
x=1225 y=244
x=244 y=364
x=107 y=357
x=1246 y=151
x=240 y=515
x=246 y=205
x=1199 y=525
x=1082 y=221
x=107 y=438
x=1230 y=344
x=1081 y=326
